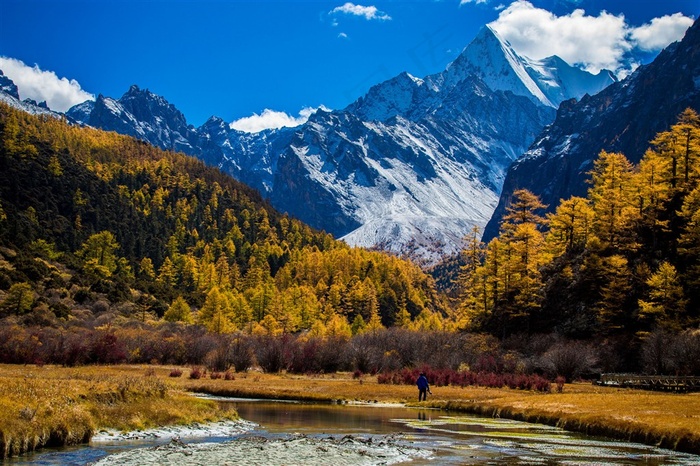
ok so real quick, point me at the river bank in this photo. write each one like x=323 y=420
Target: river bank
x=52 y=406
x=667 y=420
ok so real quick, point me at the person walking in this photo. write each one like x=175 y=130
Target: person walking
x=423 y=387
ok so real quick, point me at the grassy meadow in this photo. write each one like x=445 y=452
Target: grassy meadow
x=55 y=406
x=46 y=406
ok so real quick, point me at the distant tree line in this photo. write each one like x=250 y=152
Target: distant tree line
x=453 y=357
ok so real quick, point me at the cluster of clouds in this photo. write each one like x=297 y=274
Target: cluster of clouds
x=60 y=94
x=605 y=41
x=370 y=13
x=272 y=119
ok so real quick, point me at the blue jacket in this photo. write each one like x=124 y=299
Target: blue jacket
x=422 y=383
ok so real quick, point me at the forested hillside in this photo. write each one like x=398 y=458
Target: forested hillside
x=100 y=228
x=114 y=251
x=623 y=261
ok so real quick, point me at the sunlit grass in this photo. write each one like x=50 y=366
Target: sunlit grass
x=42 y=406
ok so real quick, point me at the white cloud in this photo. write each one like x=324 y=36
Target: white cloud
x=272 y=119
x=60 y=94
x=593 y=42
x=478 y=2
x=342 y=35
x=661 y=31
x=368 y=12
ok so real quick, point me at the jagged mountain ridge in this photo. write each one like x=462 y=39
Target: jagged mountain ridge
x=622 y=118
x=9 y=94
x=410 y=167
x=141 y=114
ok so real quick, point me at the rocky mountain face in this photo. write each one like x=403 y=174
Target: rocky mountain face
x=622 y=118
x=141 y=114
x=9 y=94
x=410 y=167
x=7 y=86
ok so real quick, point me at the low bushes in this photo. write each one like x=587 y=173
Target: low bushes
x=387 y=350
x=445 y=377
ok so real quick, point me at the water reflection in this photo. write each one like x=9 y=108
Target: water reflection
x=322 y=418
x=454 y=439
x=458 y=439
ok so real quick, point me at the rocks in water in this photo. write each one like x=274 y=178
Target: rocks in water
x=294 y=449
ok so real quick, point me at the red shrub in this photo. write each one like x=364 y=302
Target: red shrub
x=560 y=381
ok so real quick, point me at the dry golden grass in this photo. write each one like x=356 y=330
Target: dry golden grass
x=53 y=406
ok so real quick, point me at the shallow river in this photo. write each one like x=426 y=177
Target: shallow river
x=452 y=438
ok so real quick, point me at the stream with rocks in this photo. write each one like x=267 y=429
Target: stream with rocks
x=289 y=433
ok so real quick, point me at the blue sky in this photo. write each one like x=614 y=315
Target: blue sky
x=234 y=59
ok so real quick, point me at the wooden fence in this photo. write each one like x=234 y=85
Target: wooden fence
x=651 y=382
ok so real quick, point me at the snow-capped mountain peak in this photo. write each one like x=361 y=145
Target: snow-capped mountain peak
x=488 y=60
x=549 y=81
x=493 y=59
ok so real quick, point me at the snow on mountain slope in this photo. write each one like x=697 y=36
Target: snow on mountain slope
x=409 y=167
x=10 y=95
x=426 y=209
x=560 y=81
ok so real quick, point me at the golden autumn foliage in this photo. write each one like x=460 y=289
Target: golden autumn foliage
x=625 y=259
x=153 y=233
